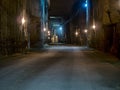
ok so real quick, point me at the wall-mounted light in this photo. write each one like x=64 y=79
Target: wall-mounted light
x=85 y=30
x=76 y=33
x=93 y=26
x=23 y=21
x=44 y=29
x=48 y=33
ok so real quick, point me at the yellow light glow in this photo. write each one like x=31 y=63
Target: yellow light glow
x=76 y=33
x=23 y=21
x=93 y=26
x=85 y=30
x=48 y=32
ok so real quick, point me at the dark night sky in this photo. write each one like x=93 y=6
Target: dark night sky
x=61 y=7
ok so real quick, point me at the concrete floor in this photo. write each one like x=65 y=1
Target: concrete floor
x=61 y=68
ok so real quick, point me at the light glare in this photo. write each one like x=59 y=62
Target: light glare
x=94 y=26
x=48 y=33
x=86 y=5
x=85 y=30
x=44 y=29
x=60 y=28
x=76 y=33
x=23 y=20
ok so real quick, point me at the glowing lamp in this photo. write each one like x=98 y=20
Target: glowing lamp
x=44 y=29
x=23 y=21
x=85 y=30
x=93 y=26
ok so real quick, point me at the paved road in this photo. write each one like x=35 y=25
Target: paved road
x=61 y=68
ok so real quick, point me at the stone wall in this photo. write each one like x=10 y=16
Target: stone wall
x=9 y=29
x=14 y=35
x=33 y=8
x=107 y=19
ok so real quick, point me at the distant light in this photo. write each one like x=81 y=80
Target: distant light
x=48 y=33
x=86 y=5
x=44 y=29
x=76 y=33
x=60 y=28
x=23 y=21
x=93 y=26
x=85 y=30
x=48 y=37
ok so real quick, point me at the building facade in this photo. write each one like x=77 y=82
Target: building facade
x=57 y=29
x=78 y=24
x=44 y=6
x=10 y=35
x=20 y=24
x=105 y=15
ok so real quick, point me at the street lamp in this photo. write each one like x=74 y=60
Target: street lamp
x=85 y=30
x=86 y=5
x=27 y=33
x=76 y=33
x=93 y=26
x=48 y=36
x=44 y=29
x=23 y=21
x=48 y=33
x=60 y=28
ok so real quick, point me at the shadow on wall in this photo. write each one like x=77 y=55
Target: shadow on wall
x=112 y=39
